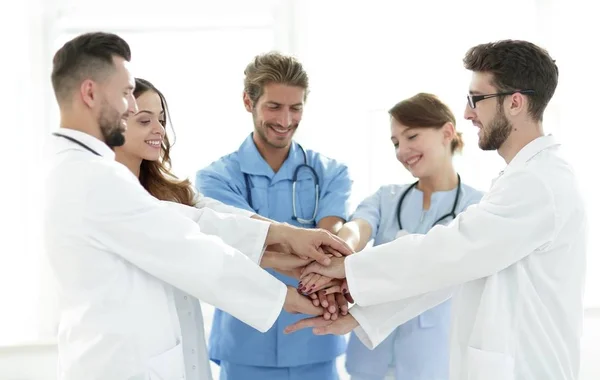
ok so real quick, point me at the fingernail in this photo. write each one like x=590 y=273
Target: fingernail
x=300 y=284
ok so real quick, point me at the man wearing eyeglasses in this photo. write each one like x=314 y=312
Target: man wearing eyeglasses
x=515 y=262
x=275 y=177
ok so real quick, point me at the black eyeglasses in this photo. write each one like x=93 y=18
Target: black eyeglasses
x=473 y=99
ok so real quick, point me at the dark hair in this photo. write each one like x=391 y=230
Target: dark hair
x=426 y=111
x=156 y=176
x=517 y=65
x=273 y=67
x=87 y=56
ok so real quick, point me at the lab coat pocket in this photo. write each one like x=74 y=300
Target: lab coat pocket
x=167 y=366
x=489 y=365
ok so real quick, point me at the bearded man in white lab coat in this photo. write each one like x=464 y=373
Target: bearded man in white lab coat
x=117 y=253
x=514 y=263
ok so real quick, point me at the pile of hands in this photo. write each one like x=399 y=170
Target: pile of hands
x=316 y=258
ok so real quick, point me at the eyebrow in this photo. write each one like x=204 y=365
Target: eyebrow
x=473 y=92
x=149 y=112
x=279 y=104
x=407 y=130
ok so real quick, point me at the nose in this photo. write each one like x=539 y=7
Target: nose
x=469 y=112
x=158 y=129
x=133 y=107
x=401 y=149
x=285 y=118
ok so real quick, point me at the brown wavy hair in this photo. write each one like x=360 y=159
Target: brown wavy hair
x=156 y=176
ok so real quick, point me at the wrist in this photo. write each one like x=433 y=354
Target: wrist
x=266 y=261
x=288 y=298
x=278 y=233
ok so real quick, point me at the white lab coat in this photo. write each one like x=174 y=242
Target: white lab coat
x=515 y=264
x=189 y=310
x=117 y=254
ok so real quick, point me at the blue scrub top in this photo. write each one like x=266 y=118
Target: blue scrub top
x=419 y=348
x=230 y=339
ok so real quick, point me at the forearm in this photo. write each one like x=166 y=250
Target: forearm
x=332 y=224
x=356 y=234
x=278 y=233
x=262 y=218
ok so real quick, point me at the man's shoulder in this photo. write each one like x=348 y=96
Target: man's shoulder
x=79 y=164
x=325 y=163
x=225 y=165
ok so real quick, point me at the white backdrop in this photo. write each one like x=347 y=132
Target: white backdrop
x=361 y=57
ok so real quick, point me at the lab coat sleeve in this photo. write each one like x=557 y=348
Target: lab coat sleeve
x=129 y=222
x=213 y=204
x=370 y=211
x=211 y=222
x=335 y=200
x=378 y=321
x=220 y=185
x=513 y=220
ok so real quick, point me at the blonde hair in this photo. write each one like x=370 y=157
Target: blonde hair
x=273 y=67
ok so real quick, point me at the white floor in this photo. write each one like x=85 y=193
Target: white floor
x=37 y=362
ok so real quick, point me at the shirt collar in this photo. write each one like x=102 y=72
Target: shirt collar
x=532 y=149
x=251 y=162
x=99 y=146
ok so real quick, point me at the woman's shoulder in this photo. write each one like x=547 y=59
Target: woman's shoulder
x=471 y=194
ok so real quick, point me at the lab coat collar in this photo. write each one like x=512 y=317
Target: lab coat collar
x=251 y=162
x=88 y=140
x=530 y=150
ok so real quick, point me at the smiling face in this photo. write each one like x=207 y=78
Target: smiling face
x=277 y=114
x=145 y=129
x=488 y=115
x=423 y=151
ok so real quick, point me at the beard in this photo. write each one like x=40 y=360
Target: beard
x=496 y=132
x=110 y=126
x=261 y=128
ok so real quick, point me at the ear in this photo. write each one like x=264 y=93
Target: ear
x=88 y=92
x=518 y=104
x=449 y=132
x=248 y=102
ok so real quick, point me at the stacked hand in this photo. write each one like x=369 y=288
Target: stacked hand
x=327 y=286
x=316 y=258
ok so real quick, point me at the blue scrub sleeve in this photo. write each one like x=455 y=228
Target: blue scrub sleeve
x=218 y=187
x=370 y=210
x=335 y=200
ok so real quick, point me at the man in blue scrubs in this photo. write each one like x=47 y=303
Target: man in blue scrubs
x=259 y=176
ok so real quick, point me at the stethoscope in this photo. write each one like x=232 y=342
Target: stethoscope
x=77 y=142
x=313 y=174
x=451 y=213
